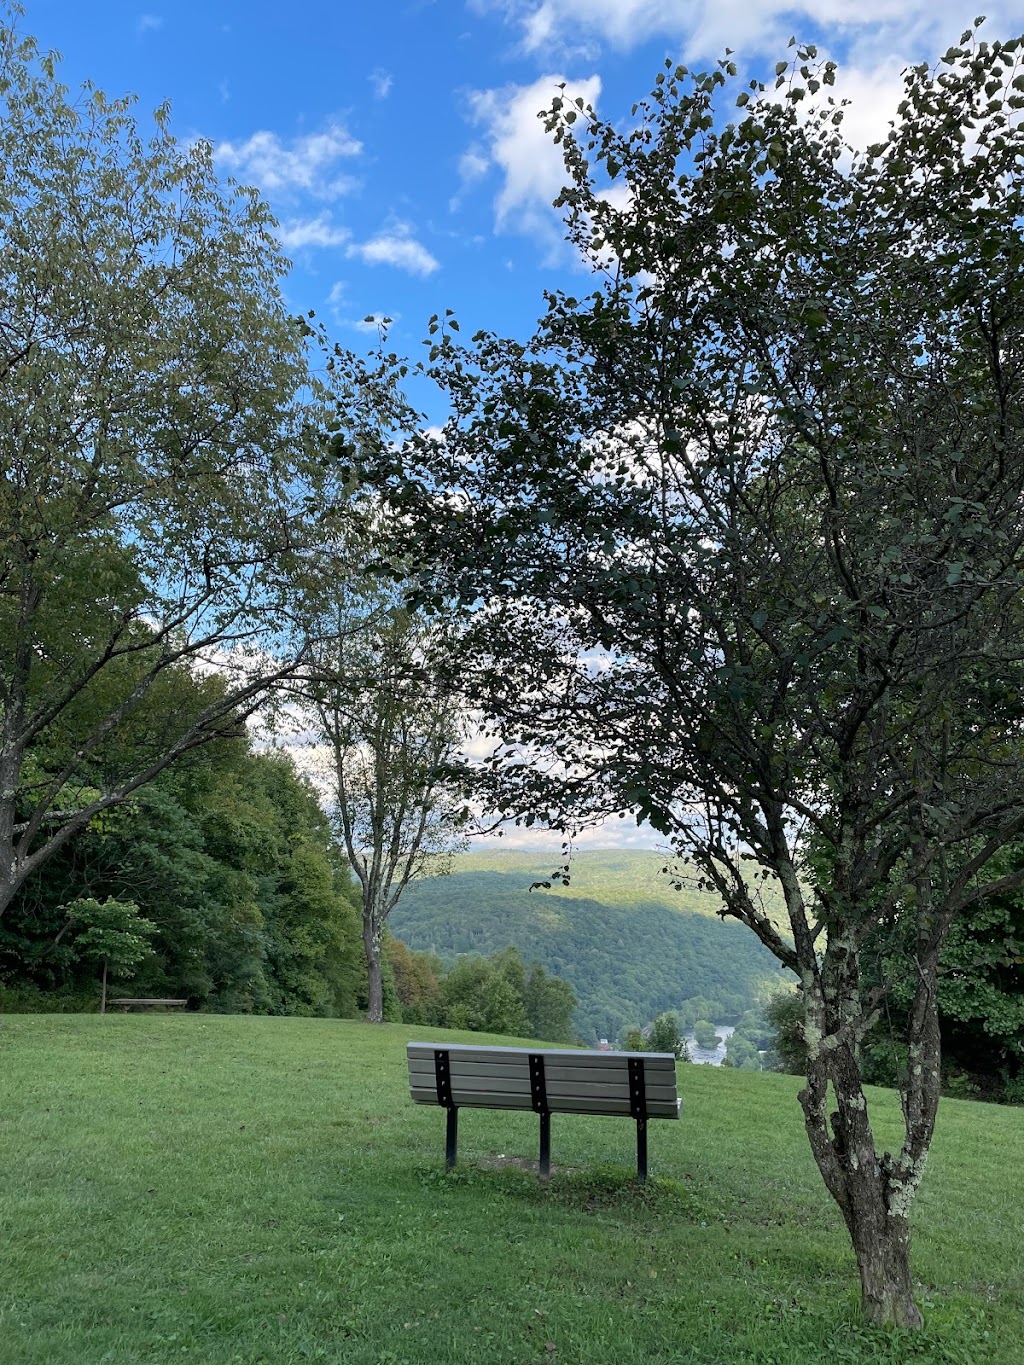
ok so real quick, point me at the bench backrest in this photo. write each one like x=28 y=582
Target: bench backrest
x=561 y=1080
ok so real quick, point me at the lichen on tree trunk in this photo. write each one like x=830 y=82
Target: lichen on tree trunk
x=375 y=976
x=873 y=1191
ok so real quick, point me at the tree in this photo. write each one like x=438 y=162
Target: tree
x=485 y=994
x=665 y=1036
x=740 y=1052
x=391 y=732
x=112 y=933
x=417 y=981
x=705 y=1035
x=740 y=534
x=160 y=445
x=549 y=1004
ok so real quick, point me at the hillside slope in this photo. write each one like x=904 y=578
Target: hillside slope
x=628 y=943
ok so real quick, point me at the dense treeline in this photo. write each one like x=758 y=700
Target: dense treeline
x=496 y=994
x=625 y=964
x=230 y=859
x=230 y=855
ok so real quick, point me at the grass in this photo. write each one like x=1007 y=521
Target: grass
x=236 y=1191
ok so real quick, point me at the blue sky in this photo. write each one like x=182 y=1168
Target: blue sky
x=397 y=142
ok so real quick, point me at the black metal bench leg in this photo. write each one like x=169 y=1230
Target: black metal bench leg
x=451 y=1139
x=641 y=1150
x=545 y=1144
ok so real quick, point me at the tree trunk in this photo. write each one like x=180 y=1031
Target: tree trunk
x=103 y=995
x=881 y=1243
x=873 y=1191
x=374 y=975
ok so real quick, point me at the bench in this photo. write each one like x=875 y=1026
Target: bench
x=636 y=1085
x=128 y=1004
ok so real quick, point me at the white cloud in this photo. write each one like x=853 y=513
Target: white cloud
x=874 y=96
x=532 y=167
x=382 y=81
x=147 y=23
x=307 y=164
x=373 y=322
x=704 y=28
x=396 y=247
x=473 y=164
x=296 y=233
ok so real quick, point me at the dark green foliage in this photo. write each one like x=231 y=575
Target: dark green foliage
x=494 y=994
x=625 y=961
x=740 y=1052
x=229 y=856
x=705 y=1035
x=479 y=994
x=665 y=1036
x=980 y=997
x=549 y=1003
x=785 y=1015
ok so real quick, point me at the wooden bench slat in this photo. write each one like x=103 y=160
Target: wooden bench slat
x=661 y=1106
x=660 y=1109
x=566 y=1056
x=481 y=1067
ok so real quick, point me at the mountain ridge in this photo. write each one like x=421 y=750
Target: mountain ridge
x=629 y=944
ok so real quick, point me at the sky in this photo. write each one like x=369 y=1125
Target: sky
x=397 y=141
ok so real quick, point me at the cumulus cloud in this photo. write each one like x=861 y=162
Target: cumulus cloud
x=305 y=165
x=703 y=28
x=872 y=40
x=296 y=233
x=396 y=247
x=514 y=140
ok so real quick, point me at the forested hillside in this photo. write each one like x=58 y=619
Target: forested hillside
x=628 y=944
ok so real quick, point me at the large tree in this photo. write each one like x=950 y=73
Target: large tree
x=742 y=536
x=159 y=433
x=389 y=731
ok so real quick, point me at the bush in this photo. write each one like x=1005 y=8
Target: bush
x=705 y=1035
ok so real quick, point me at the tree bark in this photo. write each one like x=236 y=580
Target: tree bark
x=881 y=1242
x=374 y=975
x=873 y=1191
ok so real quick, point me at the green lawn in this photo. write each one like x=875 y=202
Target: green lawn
x=221 y=1190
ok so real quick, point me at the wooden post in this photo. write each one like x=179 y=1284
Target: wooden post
x=103 y=997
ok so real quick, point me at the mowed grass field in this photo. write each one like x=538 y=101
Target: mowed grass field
x=235 y=1191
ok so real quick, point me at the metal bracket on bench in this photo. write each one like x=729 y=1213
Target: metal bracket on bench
x=539 y=1100
x=443 y=1084
x=638 y=1109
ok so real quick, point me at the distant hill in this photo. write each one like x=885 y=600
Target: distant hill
x=629 y=944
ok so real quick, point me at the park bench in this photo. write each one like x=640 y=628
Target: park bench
x=130 y=1004
x=636 y=1085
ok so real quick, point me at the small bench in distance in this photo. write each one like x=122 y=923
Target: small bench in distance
x=636 y=1085
x=129 y=1004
